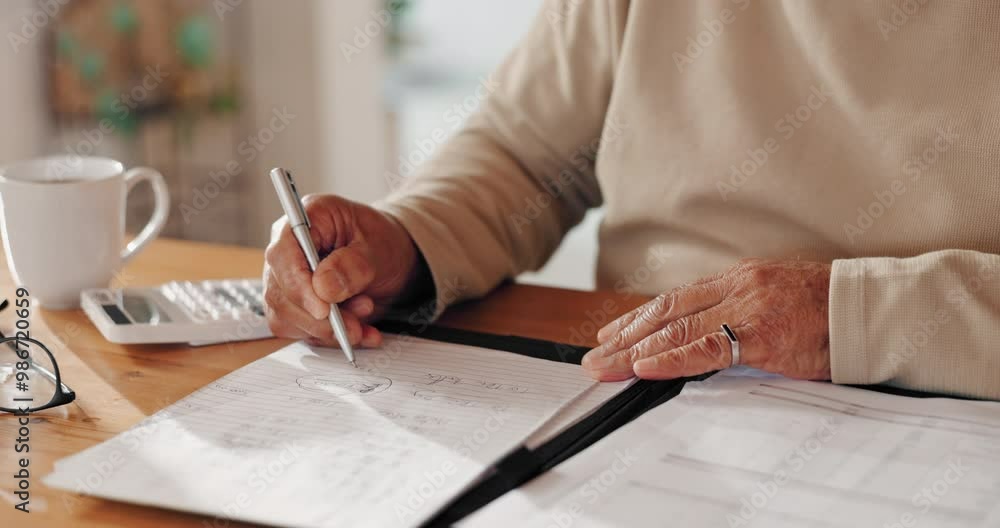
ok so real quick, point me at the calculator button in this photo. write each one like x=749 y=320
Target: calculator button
x=168 y=292
x=226 y=297
x=201 y=314
x=185 y=300
x=245 y=292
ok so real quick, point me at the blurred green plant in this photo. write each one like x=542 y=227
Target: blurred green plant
x=399 y=11
x=196 y=41
x=123 y=18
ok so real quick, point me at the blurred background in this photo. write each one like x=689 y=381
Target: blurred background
x=351 y=95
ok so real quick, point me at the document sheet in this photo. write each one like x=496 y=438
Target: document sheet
x=301 y=438
x=752 y=450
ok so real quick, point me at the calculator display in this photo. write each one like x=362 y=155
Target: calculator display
x=143 y=310
x=137 y=309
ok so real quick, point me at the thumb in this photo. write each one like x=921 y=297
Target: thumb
x=344 y=273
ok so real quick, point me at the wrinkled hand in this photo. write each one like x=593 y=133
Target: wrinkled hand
x=368 y=263
x=777 y=309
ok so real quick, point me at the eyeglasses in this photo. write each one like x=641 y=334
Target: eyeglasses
x=29 y=376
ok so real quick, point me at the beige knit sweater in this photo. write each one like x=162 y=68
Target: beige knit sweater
x=860 y=132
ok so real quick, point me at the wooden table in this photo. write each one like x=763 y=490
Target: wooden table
x=117 y=385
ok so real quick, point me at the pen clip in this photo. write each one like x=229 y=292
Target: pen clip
x=298 y=199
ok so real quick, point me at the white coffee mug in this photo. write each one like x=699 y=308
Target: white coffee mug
x=63 y=223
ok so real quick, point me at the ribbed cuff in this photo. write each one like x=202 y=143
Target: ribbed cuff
x=849 y=359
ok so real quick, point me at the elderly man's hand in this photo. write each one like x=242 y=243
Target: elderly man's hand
x=369 y=262
x=777 y=309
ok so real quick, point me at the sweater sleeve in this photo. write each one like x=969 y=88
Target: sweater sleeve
x=498 y=197
x=930 y=322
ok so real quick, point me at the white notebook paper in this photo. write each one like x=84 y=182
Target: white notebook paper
x=301 y=438
x=744 y=449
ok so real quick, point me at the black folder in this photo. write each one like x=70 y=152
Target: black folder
x=525 y=464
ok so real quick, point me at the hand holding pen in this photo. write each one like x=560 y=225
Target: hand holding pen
x=367 y=263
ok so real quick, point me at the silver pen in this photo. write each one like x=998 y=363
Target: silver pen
x=298 y=220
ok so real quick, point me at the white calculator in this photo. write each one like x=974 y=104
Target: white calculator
x=199 y=313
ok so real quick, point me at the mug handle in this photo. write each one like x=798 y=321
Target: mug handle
x=161 y=208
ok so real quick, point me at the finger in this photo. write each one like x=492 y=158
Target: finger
x=344 y=273
x=322 y=330
x=288 y=265
x=372 y=338
x=284 y=318
x=362 y=306
x=674 y=335
x=709 y=353
x=610 y=329
x=288 y=317
x=654 y=315
x=280 y=328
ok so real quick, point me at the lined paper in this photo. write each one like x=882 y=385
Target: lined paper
x=301 y=438
x=748 y=449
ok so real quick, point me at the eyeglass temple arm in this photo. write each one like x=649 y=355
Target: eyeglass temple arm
x=45 y=372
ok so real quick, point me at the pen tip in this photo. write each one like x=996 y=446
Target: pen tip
x=355 y=363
